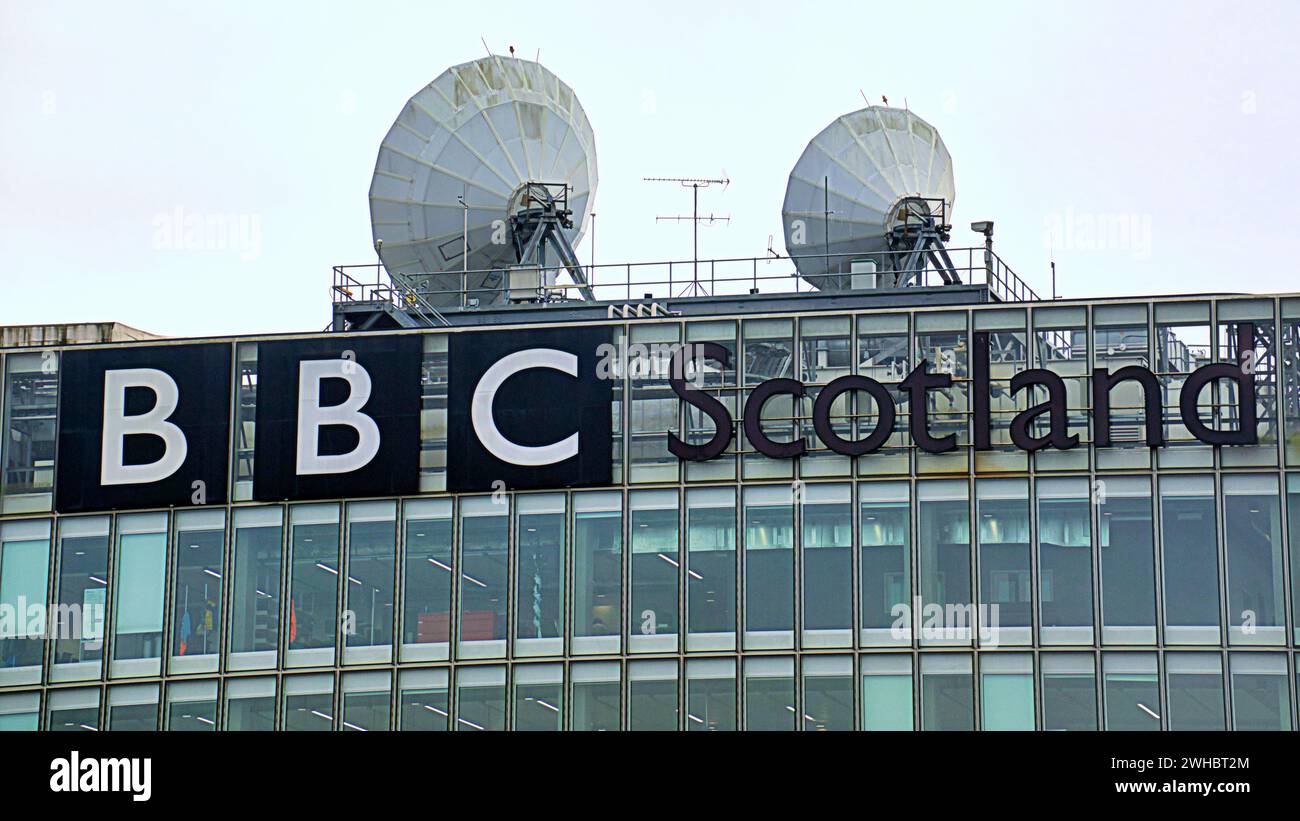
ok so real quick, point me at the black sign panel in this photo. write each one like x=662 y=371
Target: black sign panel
x=528 y=408
x=357 y=432
x=160 y=440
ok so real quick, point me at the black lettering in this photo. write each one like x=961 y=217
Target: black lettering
x=822 y=415
x=699 y=399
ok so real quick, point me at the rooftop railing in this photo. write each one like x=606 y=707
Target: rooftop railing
x=675 y=279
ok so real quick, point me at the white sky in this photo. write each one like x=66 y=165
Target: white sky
x=1179 y=118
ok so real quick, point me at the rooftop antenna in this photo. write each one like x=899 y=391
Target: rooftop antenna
x=483 y=40
x=695 y=184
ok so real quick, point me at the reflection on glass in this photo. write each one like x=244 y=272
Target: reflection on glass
x=711 y=563
x=31 y=405
x=944 y=555
x=20 y=712
x=1128 y=598
x=1191 y=564
x=72 y=710
x=192 y=706
x=885 y=528
x=655 y=562
x=1002 y=508
x=133 y=708
x=1064 y=553
x=83 y=590
x=1007 y=691
x=828 y=562
x=769 y=565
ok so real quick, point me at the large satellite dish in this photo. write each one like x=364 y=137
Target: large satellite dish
x=876 y=185
x=510 y=139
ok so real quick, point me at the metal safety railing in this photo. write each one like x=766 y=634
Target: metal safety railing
x=673 y=279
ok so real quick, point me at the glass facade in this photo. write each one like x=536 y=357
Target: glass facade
x=1125 y=588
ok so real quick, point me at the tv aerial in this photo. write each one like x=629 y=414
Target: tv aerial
x=695 y=184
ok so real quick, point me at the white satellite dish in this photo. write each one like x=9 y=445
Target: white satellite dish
x=866 y=186
x=507 y=136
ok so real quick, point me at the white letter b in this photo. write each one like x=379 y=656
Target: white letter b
x=312 y=417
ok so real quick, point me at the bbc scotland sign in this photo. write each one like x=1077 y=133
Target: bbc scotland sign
x=149 y=425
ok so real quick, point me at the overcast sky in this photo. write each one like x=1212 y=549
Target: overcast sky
x=1176 y=120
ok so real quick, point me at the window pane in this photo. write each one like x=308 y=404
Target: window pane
x=24 y=573
x=652 y=695
x=366 y=701
x=196 y=609
x=133 y=708
x=828 y=566
x=192 y=706
x=31 y=402
x=20 y=712
x=711 y=568
x=141 y=576
x=424 y=700
x=255 y=588
x=1195 y=691
x=72 y=710
x=250 y=704
x=655 y=569
x=1191 y=564
x=596 y=695
x=1132 y=691
x=82 y=595
x=947 y=693
x=1252 y=530
x=539 y=697
x=1006 y=578
x=885 y=532
x=769 y=567
x=710 y=694
x=1128 y=597
x=828 y=692
x=313 y=583
x=1007 y=691
x=540 y=573
x=944 y=556
x=308 y=703
x=1065 y=560
x=1069 y=692
x=769 y=694
x=481 y=698
x=427 y=601
x=597 y=564
x=1261 y=697
x=484 y=547
x=372 y=567
x=887 y=692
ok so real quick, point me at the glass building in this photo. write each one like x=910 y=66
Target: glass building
x=1123 y=587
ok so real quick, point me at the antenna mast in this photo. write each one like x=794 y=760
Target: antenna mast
x=695 y=184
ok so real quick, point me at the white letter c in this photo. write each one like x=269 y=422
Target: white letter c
x=485 y=426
